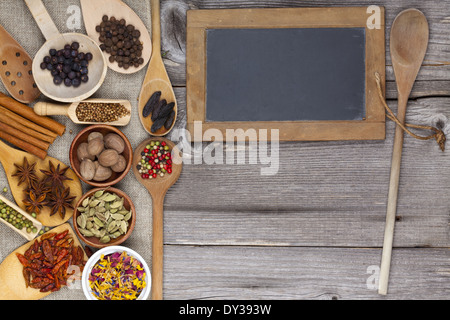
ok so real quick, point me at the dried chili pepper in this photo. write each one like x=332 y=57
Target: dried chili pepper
x=45 y=263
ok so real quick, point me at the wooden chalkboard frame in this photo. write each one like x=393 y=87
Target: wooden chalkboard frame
x=372 y=127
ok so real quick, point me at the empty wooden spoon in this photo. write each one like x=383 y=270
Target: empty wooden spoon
x=156 y=78
x=408 y=44
x=69 y=110
x=15 y=69
x=10 y=156
x=157 y=187
x=93 y=11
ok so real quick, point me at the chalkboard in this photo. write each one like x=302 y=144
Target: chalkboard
x=307 y=72
x=285 y=74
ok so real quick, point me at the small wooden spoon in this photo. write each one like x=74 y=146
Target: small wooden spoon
x=93 y=12
x=409 y=40
x=15 y=69
x=157 y=188
x=156 y=78
x=9 y=156
x=69 y=110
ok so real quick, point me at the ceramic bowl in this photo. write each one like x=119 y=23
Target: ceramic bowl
x=109 y=250
x=94 y=241
x=82 y=136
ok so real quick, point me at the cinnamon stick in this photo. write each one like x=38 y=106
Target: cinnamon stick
x=23 y=136
x=29 y=114
x=27 y=123
x=10 y=121
x=23 y=145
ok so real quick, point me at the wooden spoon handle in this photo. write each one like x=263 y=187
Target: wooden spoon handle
x=156 y=27
x=43 y=19
x=51 y=109
x=392 y=198
x=157 y=247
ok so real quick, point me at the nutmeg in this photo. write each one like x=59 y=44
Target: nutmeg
x=95 y=146
x=95 y=134
x=114 y=141
x=82 y=152
x=87 y=169
x=120 y=165
x=102 y=173
x=108 y=158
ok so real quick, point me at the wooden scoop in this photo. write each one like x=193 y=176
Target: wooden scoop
x=156 y=78
x=157 y=188
x=409 y=40
x=9 y=156
x=15 y=69
x=93 y=12
x=12 y=281
x=69 y=110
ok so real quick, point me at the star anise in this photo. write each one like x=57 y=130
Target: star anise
x=39 y=187
x=59 y=200
x=25 y=172
x=33 y=202
x=54 y=176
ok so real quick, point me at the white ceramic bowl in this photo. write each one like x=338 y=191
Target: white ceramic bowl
x=109 y=250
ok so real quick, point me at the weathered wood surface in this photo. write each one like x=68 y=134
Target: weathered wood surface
x=315 y=229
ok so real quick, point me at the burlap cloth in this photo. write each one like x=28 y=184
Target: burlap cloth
x=18 y=21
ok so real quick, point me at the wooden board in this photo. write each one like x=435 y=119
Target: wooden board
x=12 y=282
x=369 y=124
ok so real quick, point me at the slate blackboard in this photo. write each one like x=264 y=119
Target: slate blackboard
x=285 y=74
x=308 y=73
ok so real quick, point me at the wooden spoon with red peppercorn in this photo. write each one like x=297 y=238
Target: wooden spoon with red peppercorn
x=157 y=187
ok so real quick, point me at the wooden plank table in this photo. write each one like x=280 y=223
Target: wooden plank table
x=315 y=229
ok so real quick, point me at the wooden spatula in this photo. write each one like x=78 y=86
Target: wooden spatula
x=15 y=69
x=93 y=11
x=9 y=156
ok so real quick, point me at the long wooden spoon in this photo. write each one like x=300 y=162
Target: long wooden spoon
x=409 y=40
x=157 y=187
x=15 y=69
x=69 y=110
x=156 y=78
x=93 y=11
x=9 y=156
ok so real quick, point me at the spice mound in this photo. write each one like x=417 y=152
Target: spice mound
x=103 y=216
x=52 y=262
x=117 y=276
x=16 y=219
x=162 y=112
x=121 y=41
x=100 y=112
x=156 y=160
x=68 y=65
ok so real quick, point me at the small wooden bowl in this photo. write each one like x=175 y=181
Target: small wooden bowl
x=82 y=136
x=94 y=241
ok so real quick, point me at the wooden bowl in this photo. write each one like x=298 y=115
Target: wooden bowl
x=82 y=136
x=96 y=69
x=94 y=241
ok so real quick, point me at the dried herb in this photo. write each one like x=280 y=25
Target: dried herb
x=59 y=200
x=34 y=202
x=25 y=172
x=54 y=176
